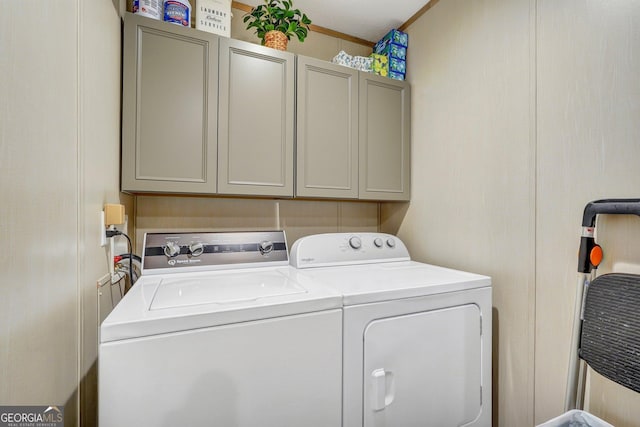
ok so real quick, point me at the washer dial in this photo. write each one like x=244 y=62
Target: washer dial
x=355 y=242
x=171 y=249
x=265 y=247
x=196 y=249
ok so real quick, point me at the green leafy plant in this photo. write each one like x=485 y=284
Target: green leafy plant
x=278 y=15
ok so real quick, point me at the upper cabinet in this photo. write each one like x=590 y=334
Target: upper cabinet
x=197 y=108
x=327 y=130
x=385 y=140
x=353 y=133
x=256 y=120
x=169 y=108
x=210 y=115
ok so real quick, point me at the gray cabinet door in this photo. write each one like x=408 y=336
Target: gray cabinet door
x=384 y=138
x=256 y=120
x=170 y=77
x=327 y=130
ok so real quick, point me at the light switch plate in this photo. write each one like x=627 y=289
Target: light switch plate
x=103 y=231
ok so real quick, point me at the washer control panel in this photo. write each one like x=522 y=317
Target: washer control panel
x=201 y=251
x=321 y=250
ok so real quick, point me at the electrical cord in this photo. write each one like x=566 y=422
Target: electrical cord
x=122 y=262
x=111 y=233
x=130 y=255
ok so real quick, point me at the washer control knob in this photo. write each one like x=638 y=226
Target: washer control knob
x=171 y=249
x=265 y=247
x=355 y=242
x=378 y=242
x=391 y=243
x=196 y=249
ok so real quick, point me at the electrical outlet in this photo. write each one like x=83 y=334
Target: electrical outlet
x=103 y=231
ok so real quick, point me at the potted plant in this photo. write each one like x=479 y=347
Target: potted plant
x=276 y=22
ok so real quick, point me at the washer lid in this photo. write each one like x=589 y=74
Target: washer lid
x=233 y=288
x=185 y=301
x=360 y=284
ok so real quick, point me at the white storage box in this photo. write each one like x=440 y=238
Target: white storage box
x=576 y=418
x=214 y=16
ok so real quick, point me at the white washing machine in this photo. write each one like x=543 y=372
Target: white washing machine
x=416 y=337
x=218 y=331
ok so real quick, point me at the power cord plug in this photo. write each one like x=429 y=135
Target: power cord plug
x=111 y=233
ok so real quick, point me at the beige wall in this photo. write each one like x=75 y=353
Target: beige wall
x=588 y=148
x=523 y=112
x=98 y=172
x=297 y=217
x=59 y=139
x=39 y=211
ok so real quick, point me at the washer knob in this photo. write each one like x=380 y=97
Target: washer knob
x=378 y=242
x=171 y=249
x=196 y=249
x=355 y=242
x=391 y=243
x=265 y=247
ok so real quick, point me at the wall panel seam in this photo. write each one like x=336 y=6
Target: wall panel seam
x=79 y=212
x=533 y=195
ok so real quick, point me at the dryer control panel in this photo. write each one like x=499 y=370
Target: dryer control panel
x=331 y=249
x=203 y=251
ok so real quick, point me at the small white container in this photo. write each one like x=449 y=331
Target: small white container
x=576 y=418
x=177 y=12
x=214 y=16
x=149 y=8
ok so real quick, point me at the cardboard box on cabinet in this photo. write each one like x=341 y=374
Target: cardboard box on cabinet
x=393 y=50
x=393 y=36
x=388 y=67
x=214 y=16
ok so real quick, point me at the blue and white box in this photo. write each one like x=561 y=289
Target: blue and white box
x=395 y=37
x=393 y=50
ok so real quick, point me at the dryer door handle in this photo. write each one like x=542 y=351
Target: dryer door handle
x=383 y=389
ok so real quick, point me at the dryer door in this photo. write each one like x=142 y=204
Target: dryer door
x=423 y=369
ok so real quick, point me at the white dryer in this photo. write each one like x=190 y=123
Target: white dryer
x=416 y=337
x=218 y=331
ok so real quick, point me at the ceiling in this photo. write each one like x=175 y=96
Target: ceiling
x=366 y=19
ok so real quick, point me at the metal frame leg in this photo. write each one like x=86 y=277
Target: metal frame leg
x=574 y=397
